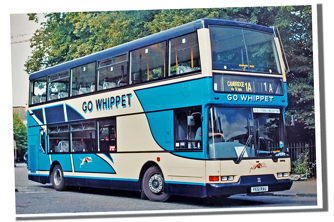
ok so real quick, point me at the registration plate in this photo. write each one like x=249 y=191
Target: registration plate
x=259 y=189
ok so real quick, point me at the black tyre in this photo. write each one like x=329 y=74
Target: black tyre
x=57 y=178
x=153 y=185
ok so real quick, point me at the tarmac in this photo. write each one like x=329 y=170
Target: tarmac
x=299 y=188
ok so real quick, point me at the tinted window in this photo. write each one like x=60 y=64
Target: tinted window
x=38 y=91
x=188 y=128
x=58 y=86
x=83 y=79
x=113 y=72
x=184 y=55
x=148 y=63
x=240 y=49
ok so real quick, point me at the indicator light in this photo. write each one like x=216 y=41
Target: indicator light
x=213 y=178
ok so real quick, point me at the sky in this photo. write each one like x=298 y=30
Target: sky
x=16 y=29
x=21 y=30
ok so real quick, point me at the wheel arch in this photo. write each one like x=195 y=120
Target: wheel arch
x=52 y=167
x=144 y=168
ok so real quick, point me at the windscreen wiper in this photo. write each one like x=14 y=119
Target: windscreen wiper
x=241 y=156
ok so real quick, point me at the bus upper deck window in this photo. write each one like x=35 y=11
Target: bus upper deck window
x=38 y=91
x=148 y=63
x=112 y=72
x=83 y=79
x=184 y=55
x=243 y=49
x=58 y=85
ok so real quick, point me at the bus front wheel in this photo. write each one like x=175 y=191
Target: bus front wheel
x=57 y=178
x=153 y=184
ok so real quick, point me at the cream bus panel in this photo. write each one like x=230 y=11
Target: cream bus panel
x=183 y=169
x=133 y=134
x=112 y=103
x=205 y=51
x=246 y=168
x=186 y=170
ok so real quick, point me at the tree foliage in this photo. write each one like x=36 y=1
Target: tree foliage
x=67 y=36
x=20 y=132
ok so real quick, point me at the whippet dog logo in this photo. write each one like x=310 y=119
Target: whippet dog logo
x=259 y=165
x=86 y=160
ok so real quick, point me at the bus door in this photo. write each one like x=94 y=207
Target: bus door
x=43 y=158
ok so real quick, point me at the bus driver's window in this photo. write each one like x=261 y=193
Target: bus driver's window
x=188 y=128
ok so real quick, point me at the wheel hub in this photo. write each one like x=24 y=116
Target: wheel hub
x=57 y=177
x=155 y=183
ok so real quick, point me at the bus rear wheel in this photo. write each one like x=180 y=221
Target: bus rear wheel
x=57 y=178
x=153 y=185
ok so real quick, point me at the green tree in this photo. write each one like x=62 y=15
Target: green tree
x=50 y=43
x=20 y=132
x=67 y=36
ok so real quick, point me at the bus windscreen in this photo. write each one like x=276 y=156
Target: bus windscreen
x=241 y=49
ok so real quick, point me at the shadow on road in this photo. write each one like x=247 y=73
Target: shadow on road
x=202 y=202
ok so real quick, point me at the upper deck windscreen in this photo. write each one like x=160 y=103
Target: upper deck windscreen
x=241 y=49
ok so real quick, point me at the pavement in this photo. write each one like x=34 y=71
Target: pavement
x=300 y=188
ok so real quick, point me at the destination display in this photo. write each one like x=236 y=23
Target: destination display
x=247 y=84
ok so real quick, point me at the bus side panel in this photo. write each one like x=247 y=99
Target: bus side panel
x=32 y=153
x=64 y=161
x=40 y=159
x=176 y=95
x=91 y=163
x=134 y=134
x=33 y=144
x=162 y=128
x=185 y=189
x=183 y=176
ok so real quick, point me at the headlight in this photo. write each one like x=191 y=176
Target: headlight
x=227 y=178
x=285 y=174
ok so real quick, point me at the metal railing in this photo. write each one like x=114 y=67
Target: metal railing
x=296 y=149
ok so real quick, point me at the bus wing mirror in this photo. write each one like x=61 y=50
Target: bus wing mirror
x=191 y=120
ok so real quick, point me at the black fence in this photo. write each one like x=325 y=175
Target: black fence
x=296 y=149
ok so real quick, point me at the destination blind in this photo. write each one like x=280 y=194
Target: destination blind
x=247 y=84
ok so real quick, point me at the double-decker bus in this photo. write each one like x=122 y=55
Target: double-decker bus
x=196 y=110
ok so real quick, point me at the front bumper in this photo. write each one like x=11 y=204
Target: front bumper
x=245 y=183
